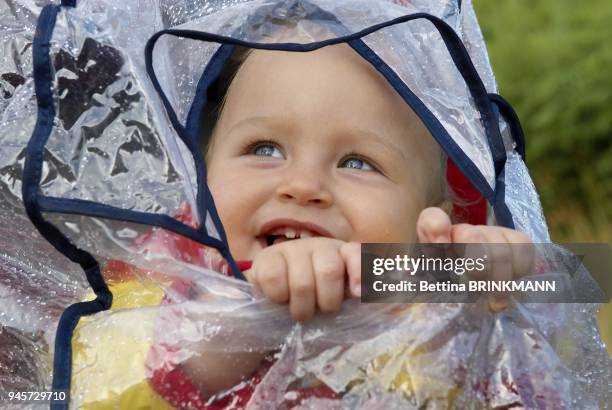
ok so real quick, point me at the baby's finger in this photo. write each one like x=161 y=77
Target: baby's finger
x=329 y=274
x=269 y=273
x=500 y=262
x=434 y=226
x=351 y=253
x=474 y=241
x=523 y=252
x=301 y=283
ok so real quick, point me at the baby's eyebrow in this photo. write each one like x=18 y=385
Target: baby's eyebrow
x=261 y=121
x=386 y=143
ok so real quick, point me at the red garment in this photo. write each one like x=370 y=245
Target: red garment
x=472 y=206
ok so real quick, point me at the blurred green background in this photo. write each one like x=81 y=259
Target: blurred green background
x=553 y=63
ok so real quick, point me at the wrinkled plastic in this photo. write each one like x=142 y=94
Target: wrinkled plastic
x=37 y=284
x=112 y=143
x=440 y=355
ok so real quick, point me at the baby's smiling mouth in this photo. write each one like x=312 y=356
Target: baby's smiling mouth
x=282 y=230
x=286 y=234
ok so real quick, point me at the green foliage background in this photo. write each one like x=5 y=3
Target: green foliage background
x=553 y=63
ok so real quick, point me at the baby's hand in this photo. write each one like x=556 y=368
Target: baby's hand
x=308 y=274
x=512 y=257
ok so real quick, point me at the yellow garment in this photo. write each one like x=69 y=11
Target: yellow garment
x=397 y=370
x=109 y=352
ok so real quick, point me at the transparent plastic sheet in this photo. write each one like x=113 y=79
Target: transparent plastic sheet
x=414 y=50
x=438 y=355
x=17 y=99
x=151 y=249
x=475 y=45
x=368 y=356
x=111 y=142
x=524 y=203
x=32 y=271
x=107 y=142
x=36 y=284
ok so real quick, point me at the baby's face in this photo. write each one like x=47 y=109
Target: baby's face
x=318 y=144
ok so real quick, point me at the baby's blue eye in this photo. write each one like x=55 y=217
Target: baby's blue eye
x=357 y=163
x=267 y=150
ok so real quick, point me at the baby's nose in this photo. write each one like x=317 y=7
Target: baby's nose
x=305 y=188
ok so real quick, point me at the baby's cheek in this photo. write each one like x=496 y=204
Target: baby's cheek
x=384 y=215
x=226 y=207
x=387 y=226
x=229 y=194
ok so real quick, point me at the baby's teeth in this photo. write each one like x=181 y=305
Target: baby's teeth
x=305 y=234
x=290 y=233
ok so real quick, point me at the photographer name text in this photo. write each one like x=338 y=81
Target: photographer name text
x=471 y=286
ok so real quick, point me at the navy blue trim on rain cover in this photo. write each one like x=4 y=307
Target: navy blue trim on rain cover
x=96 y=209
x=62 y=360
x=509 y=115
x=436 y=129
x=503 y=216
x=209 y=75
x=456 y=49
x=204 y=203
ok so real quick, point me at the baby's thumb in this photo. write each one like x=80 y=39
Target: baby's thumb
x=434 y=226
x=351 y=254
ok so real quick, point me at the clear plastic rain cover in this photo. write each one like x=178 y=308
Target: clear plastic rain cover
x=113 y=177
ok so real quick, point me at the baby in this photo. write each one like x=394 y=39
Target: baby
x=311 y=155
